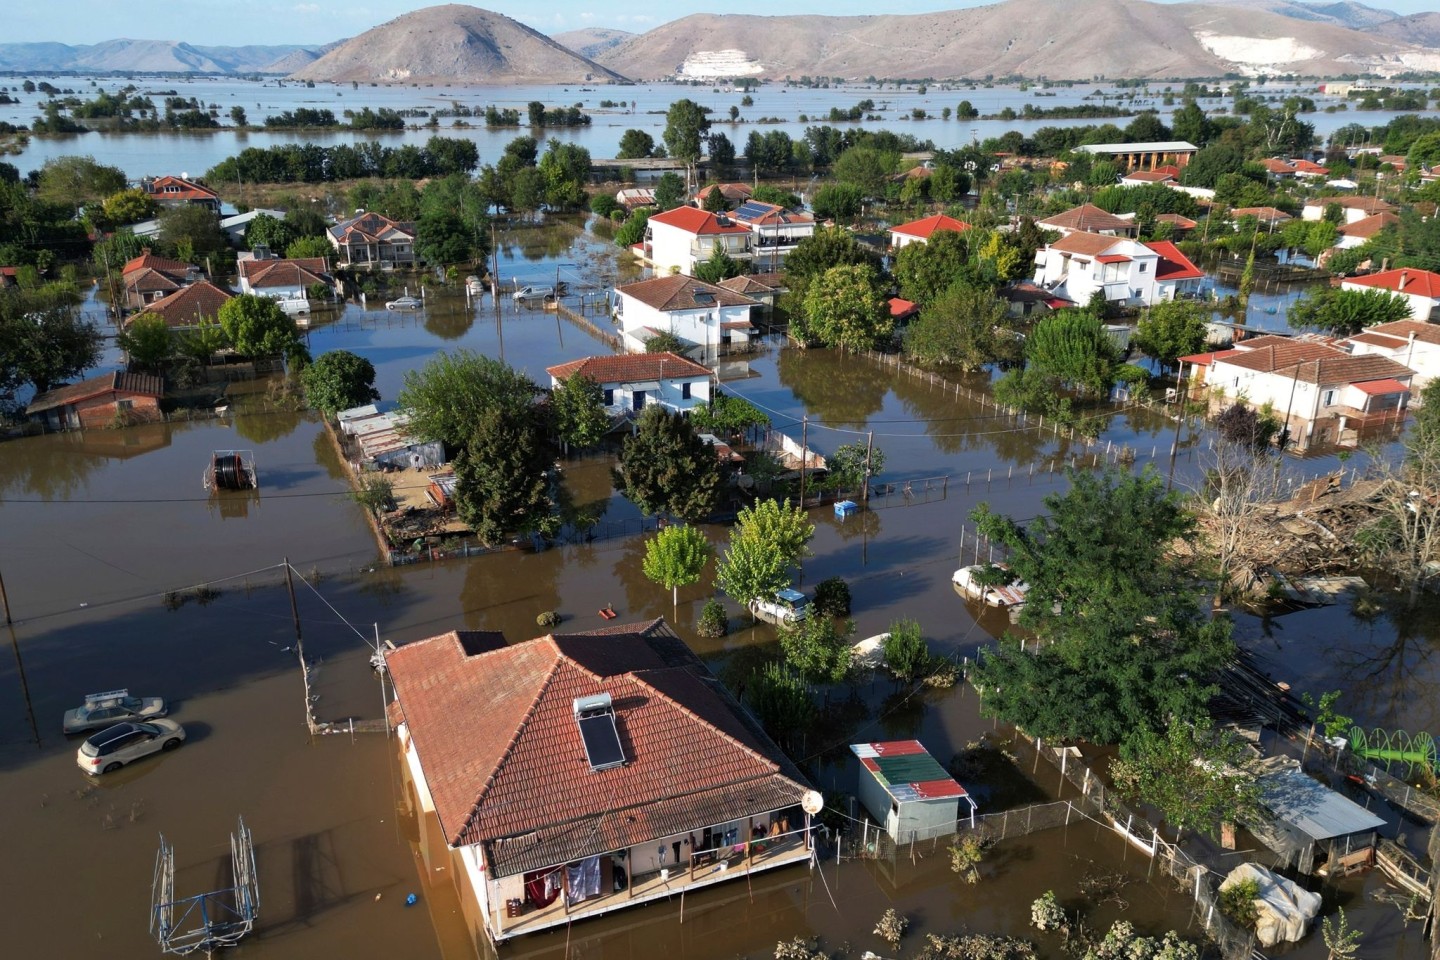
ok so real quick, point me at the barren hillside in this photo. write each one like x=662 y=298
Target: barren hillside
x=457 y=43
x=1060 y=39
x=1419 y=28
x=592 y=41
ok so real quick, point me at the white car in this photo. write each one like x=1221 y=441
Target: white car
x=787 y=606
x=534 y=291
x=113 y=747
x=405 y=303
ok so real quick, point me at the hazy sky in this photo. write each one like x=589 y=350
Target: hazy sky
x=236 y=22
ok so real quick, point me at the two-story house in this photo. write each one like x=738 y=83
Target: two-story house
x=676 y=240
x=1126 y=271
x=775 y=231
x=181 y=191
x=699 y=313
x=371 y=240
x=631 y=382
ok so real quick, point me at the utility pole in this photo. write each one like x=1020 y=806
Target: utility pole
x=294 y=611
x=4 y=600
x=869 y=446
x=804 y=455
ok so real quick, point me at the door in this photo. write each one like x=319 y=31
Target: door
x=637 y=400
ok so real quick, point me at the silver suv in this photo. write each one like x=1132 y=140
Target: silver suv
x=113 y=747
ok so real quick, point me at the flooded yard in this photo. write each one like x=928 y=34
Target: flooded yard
x=105 y=536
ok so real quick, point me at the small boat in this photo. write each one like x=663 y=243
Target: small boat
x=967 y=584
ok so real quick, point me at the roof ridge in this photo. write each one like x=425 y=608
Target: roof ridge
x=695 y=716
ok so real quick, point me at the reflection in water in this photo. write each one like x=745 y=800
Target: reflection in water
x=449 y=318
x=59 y=465
x=267 y=426
x=234 y=504
x=841 y=391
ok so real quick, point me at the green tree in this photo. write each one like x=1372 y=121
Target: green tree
x=566 y=168
x=303 y=247
x=817 y=648
x=867 y=168
x=666 y=468
x=838 y=201
x=669 y=191
x=272 y=232
x=854 y=464
x=1073 y=347
x=635 y=145
x=257 y=327
x=827 y=247
x=456 y=389
x=237 y=116
x=76 y=181
x=1210 y=164
x=927 y=270
x=129 y=206
x=686 y=124
x=967 y=326
x=844 y=308
x=1125 y=644
x=441 y=238
x=148 y=341
x=339 y=380
x=1404 y=537
x=767 y=540
x=202 y=341
x=726 y=414
x=1193 y=773
x=43 y=341
x=1342 y=942
x=675 y=557
x=191 y=233
x=1172 y=329
x=577 y=404
x=632 y=231
x=1347 y=312
x=906 y=655
x=502 y=486
x=719 y=265
x=781 y=702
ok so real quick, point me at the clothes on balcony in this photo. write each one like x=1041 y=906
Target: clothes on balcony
x=542 y=886
x=582 y=880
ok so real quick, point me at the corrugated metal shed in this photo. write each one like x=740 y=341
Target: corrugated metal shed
x=1313 y=808
x=908 y=790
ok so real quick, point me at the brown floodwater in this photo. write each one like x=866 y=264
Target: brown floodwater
x=104 y=536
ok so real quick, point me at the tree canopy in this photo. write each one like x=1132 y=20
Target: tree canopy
x=845 y=307
x=502 y=486
x=43 y=340
x=339 y=380
x=577 y=406
x=675 y=557
x=967 y=326
x=666 y=468
x=257 y=327
x=1073 y=347
x=1347 y=312
x=1123 y=643
x=456 y=389
x=1172 y=329
x=767 y=540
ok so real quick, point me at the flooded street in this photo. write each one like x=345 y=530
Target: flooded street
x=105 y=535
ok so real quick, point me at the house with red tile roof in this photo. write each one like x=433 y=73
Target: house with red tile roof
x=1322 y=394
x=734 y=194
x=1356 y=233
x=1308 y=168
x=1409 y=342
x=8 y=277
x=1277 y=168
x=1352 y=208
x=703 y=315
x=920 y=231
x=1421 y=288
x=283 y=279
x=171 y=191
x=1140 y=178
x=676 y=240
x=99 y=402
x=775 y=231
x=189 y=306
x=1180 y=225
x=372 y=240
x=1124 y=271
x=632 y=381
x=1266 y=216
x=580 y=773
x=147 y=278
x=1088 y=218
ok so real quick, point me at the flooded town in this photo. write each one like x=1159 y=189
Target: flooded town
x=454 y=515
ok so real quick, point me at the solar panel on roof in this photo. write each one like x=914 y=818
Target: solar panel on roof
x=751 y=209
x=595 y=716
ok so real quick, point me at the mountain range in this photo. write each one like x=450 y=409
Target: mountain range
x=1057 y=39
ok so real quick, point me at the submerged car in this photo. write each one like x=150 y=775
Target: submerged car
x=992 y=584
x=787 y=606
x=108 y=708
x=113 y=747
x=405 y=303
x=534 y=291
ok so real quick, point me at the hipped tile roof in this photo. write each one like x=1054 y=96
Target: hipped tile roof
x=1089 y=217
x=188 y=306
x=679 y=292
x=926 y=226
x=629 y=368
x=496 y=737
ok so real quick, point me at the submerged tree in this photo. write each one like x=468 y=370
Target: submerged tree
x=766 y=541
x=1405 y=536
x=675 y=557
x=577 y=405
x=502 y=486
x=1194 y=774
x=666 y=468
x=339 y=380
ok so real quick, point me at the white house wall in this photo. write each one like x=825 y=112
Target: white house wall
x=1422 y=357
x=701 y=326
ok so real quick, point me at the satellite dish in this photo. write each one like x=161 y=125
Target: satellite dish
x=812 y=803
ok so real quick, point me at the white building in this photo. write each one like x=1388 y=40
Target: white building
x=1321 y=394
x=697 y=312
x=282 y=279
x=1408 y=342
x=1354 y=208
x=678 y=239
x=1088 y=218
x=631 y=382
x=775 y=231
x=1125 y=271
x=1359 y=232
x=1420 y=288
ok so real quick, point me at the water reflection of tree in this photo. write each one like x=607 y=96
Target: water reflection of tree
x=267 y=426
x=901 y=713
x=328 y=457
x=1393 y=676
x=839 y=390
x=58 y=466
x=448 y=319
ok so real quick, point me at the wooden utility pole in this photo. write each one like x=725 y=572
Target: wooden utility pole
x=294 y=611
x=804 y=455
x=4 y=600
x=869 y=447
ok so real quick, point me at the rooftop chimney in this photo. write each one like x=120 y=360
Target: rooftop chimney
x=1404 y=279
